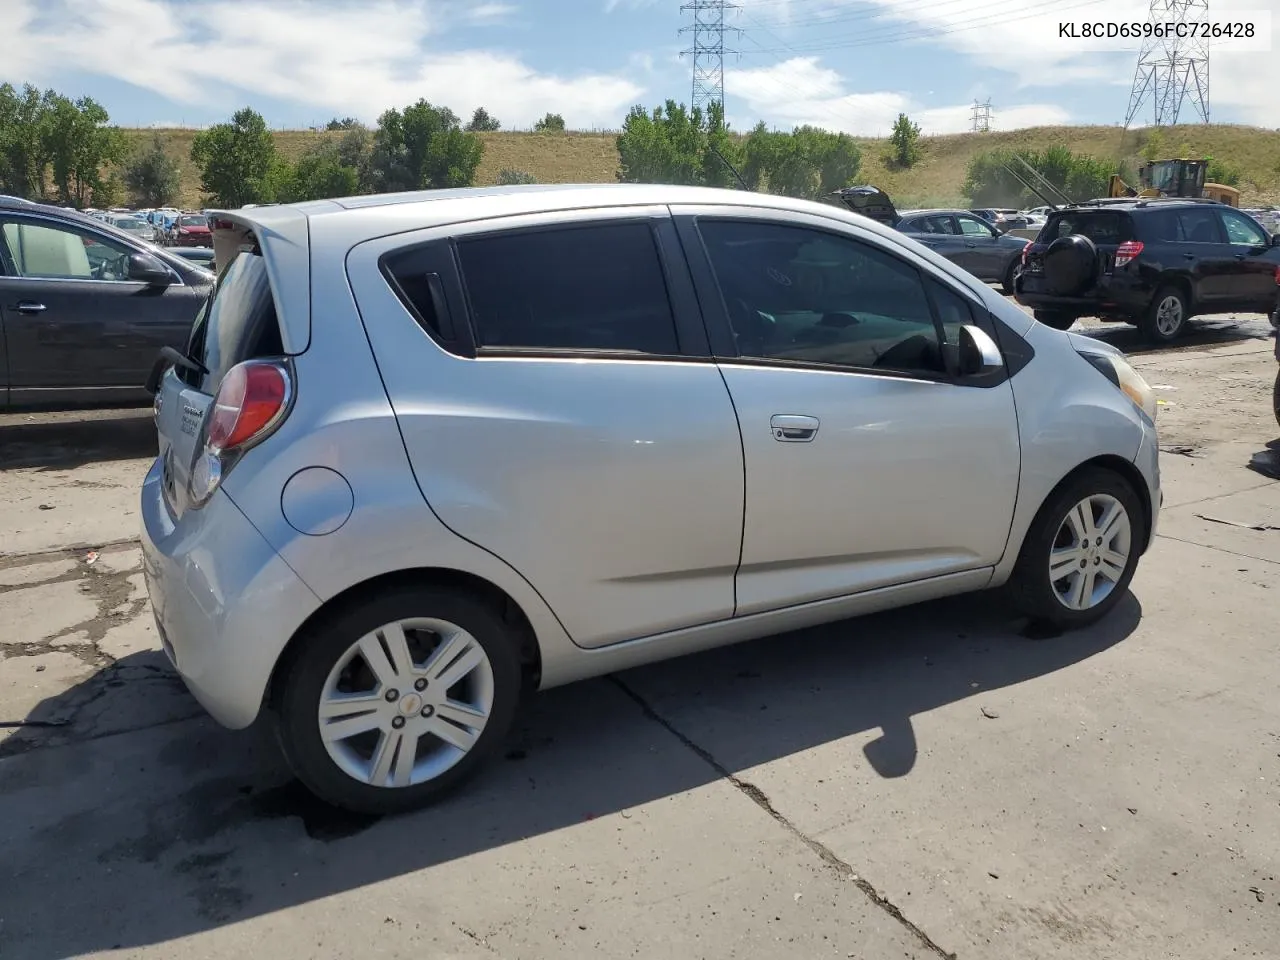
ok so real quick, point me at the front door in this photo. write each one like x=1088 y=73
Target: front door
x=983 y=257
x=76 y=327
x=867 y=463
x=1253 y=285
x=583 y=434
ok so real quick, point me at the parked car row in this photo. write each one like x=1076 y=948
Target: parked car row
x=166 y=226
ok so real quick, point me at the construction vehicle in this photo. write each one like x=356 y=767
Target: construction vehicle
x=1174 y=178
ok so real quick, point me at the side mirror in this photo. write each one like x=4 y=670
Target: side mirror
x=144 y=268
x=978 y=353
x=1275 y=240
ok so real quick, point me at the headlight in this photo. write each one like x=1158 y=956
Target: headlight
x=1117 y=370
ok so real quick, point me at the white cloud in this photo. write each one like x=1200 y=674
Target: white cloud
x=801 y=91
x=340 y=59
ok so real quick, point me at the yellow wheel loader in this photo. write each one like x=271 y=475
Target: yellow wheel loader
x=1175 y=178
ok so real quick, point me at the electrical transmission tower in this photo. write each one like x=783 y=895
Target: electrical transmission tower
x=981 y=116
x=707 y=51
x=1171 y=70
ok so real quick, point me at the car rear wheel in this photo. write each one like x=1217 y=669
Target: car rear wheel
x=398 y=699
x=1081 y=550
x=1007 y=283
x=1166 y=317
x=1051 y=318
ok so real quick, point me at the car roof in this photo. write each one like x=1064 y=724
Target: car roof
x=933 y=211
x=286 y=232
x=1138 y=203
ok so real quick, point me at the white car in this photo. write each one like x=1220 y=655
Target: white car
x=428 y=452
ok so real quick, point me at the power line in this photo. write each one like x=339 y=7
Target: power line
x=1170 y=69
x=981 y=116
x=707 y=52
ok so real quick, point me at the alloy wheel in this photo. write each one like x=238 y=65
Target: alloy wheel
x=406 y=702
x=1169 y=316
x=1090 y=552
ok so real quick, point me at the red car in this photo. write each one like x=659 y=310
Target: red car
x=190 y=230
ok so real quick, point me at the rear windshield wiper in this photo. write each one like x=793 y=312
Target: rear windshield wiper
x=169 y=356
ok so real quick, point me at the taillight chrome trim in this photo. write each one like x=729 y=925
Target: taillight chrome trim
x=1128 y=251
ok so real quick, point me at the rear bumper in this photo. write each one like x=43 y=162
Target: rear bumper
x=1114 y=294
x=225 y=602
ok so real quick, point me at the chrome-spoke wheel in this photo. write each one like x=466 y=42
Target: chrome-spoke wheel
x=1090 y=552
x=406 y=702
x=1169 y=316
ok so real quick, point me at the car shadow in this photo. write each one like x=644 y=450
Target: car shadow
x=1201 y=332
x=55 y=443
x=181 y=827
x=1267 y=460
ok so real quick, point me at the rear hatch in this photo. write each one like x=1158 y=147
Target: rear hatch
x=238 y=323
x=1108 y=229
x=870 y=202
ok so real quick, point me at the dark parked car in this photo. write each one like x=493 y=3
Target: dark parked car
x=86 y=308
x=1003 y=219
x=1153 y=263
x=963 y=238
x=200 y=256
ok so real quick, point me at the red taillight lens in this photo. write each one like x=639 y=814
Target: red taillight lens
x=1278 y=276
x=251 y=397
x=1025 y=251
x=1128 y=251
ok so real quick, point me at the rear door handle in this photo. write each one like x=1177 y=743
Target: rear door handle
x=1188 y=256
x=30 y=306
x=792 y=428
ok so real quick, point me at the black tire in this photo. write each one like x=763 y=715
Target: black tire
x=1007 y=283
x=1030 y=587
x=1158 y=327
x=1052 y=318
x=304 y=674
x=1275 y=398
x=1070 y=265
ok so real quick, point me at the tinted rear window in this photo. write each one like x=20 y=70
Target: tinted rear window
x=599 y=287
x=1100 y=226
x=239 y=323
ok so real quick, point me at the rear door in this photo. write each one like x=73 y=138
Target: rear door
x=1208 y=257
x=1253 y=284
x=76 y=327
x=562 y=410
x=983 y=257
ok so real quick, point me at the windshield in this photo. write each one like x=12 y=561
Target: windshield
x=192 y=222
x=127 y=223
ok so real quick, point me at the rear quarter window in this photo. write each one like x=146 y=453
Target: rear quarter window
x=1100 y=226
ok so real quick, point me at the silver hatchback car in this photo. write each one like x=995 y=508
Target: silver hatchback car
x=426 y=452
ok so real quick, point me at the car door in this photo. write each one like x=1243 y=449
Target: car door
x=1253 y=282
x=76 y=327
x=939 y=233
x=984 y=255
x=577 y=427
x=868 y=464
x=1208 y=256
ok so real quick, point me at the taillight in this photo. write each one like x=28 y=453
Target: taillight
x=1278 y=276
x=251 y=402
x=1128 y=251
x=1025 y=251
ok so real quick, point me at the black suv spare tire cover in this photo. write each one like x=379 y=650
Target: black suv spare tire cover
x=1070 y=265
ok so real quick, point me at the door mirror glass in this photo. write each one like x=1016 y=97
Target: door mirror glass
x=979 y=354
x=144 y=268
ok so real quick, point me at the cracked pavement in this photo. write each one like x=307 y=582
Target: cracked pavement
x=920 y=784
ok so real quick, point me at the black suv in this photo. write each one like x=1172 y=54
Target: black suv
x=1154 y=263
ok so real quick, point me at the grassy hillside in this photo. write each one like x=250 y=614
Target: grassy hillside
x=936 y=180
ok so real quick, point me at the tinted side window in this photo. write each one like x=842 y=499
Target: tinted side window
x=595 y=287
x=1099 y=226
x=420 y=289
x=50 y=252
x=1199 y=226
x=1160 y=226
x=804 y=295
x=1242 y=229
x=972 y=227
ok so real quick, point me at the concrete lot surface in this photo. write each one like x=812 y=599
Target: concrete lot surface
x=926 y=783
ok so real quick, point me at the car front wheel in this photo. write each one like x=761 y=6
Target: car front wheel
x=1081 y=550
x=397 y=699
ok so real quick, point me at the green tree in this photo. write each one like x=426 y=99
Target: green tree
x=481 y=122
x=509 y=177
x=237 y=160
x=78 y=144
x=346 y=123
x=152 y=177
x=551 y=123
x=808 y=162
x=671 y=144
x=22 y=154
x=989 y=184
x=319 y=175
x=421 y=147
x=905 y=142
x=1153 y=147
x=1216 y=171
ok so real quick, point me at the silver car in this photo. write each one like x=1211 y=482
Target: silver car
x=427 y=452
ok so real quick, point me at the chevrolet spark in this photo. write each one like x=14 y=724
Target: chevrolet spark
x=426 y=452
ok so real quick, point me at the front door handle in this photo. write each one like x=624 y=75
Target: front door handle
x=792 y=428
x=30 y=306
x=970 y=243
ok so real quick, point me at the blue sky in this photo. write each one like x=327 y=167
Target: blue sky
x=842 y=64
